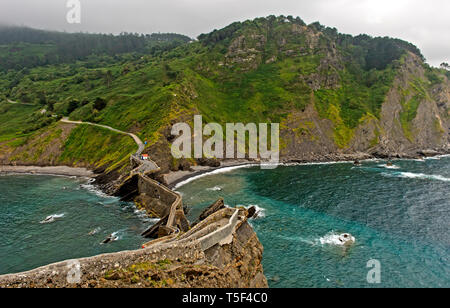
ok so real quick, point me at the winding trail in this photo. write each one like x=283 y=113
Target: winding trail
x=136 y=139
x=17 y=103
x=145 y=165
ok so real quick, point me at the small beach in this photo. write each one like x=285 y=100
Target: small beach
x=50 y=170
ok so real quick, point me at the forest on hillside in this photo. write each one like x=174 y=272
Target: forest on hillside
x=22 y=47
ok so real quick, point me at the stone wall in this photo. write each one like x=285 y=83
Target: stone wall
x=231 y=258
x=157 y=198
x=156 y=190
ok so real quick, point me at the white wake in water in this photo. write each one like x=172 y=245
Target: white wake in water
x=332 y=238
x=217 y=171
x=421 y=176
x=215 y=188
x=90 y=187
x=52 y=218
x=389 y=166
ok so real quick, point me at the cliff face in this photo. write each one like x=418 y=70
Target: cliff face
x=235 y=265
x=335 y=96
x=426 y=129
x=414 y=120
x=233 y=262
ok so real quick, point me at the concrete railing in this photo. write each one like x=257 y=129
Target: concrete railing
x=168 y=247
x=190 y=248
x=143 y=166
x=221 y=235
x=176 y=204
x=203 y=234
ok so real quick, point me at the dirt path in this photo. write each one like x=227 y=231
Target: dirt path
x=136 y=139
x=17 y=103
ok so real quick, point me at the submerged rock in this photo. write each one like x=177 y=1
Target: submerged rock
x=347 y=239
x=110 y=238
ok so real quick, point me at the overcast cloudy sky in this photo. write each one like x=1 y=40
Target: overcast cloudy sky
x=424 y=23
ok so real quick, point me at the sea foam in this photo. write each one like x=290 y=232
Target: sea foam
x=90 y=187
x=389 y=166
x=421 y=176
x=52 y=218
x=215 y=188
x=332 y=239
x=260 y=212
x=217 y=171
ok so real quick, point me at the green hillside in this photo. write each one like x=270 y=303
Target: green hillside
x=254 y=71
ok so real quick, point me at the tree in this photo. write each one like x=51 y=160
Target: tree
x=73 y=105
x=42 y=98
x=50 y=105
x=99 y=104
x=108 y=78
x=445 y=66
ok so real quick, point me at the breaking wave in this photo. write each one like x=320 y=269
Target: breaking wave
x=215 y=188
x=331 y=238
x=438 y=157
x=51 y=218
x=260 y=212
x=389 y=166
x=90 y=187
x=421 y=176
x=217 y=171
x=249 y=165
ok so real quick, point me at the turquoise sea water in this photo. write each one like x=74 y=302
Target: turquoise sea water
x=26 y=200
x=400 y=217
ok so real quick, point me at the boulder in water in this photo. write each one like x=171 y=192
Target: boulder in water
x=252 y=212
x=48 y=219
x=109 y=239
x=346 y=239
x=93 y=232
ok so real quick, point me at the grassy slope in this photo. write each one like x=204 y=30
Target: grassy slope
x=86 y=145
x=144 y=94
x=14 y=118
x=97 y=147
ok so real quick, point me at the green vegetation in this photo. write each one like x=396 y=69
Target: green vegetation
x=412 y=97
x=152 y=274
x=22 y=47
x=16 y=120
x=97 y=146
x=254 y=71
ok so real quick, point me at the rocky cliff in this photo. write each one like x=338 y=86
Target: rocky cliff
x=397 y=132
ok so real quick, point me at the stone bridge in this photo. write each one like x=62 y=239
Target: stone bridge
x=176 y=238
x=217 y=230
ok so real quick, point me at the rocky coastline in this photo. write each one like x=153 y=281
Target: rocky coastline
x=115 y=274
x=173 y=178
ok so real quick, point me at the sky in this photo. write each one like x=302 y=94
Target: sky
x=423 y=23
